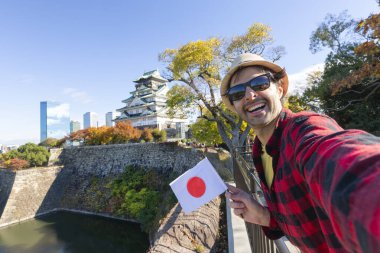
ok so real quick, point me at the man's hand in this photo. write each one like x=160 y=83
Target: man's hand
x=247 y=207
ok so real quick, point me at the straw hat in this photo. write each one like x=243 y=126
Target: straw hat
x=246 y=60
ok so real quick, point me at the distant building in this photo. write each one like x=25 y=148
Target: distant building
x=74 y=126
x=12 y=147
x=54 y=120
x=146 y=107
x=4 y=149
x=90 y=119
x=110 y=116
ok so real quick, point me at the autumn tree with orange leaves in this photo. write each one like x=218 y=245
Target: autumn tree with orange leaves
x=349 y=88
x=122 y=132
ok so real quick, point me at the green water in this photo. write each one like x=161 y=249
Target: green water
x=65 y=232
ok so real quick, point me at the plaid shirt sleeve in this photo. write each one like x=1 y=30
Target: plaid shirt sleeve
x=342 y=171
x=273 y=232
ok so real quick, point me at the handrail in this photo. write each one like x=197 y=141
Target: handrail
x=259 y=242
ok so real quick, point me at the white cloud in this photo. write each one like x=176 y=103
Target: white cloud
x=59 y=111
x=57 y=134
x=77 y=95
x=51 y=121
x=297 y=81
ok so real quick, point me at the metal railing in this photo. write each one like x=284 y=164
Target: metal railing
x=250 y=181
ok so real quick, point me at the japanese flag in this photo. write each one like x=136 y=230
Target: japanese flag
x=198 y=186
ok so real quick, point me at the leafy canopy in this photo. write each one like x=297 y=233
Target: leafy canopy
x=349 y=88
x=193 y=59
x=28 y=154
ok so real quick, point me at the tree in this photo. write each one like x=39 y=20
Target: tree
x=49 y=143
x=34 y=154
x=348 y=89
x=310 y=97
x=99 y=136
x=16 y=164
x=146 y=135
x=124 y=132
x=198 y=66
x=296 y=104
x=331 y=32
x=159 y=135
x=369 y=72
x=180 y=100
x=205 y=131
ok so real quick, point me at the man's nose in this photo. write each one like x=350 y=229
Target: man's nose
x=249 y=93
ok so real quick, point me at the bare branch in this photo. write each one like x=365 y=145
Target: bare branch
x=376 y=83
x=209 y=86
x=227 y=117
x=357 y=100
x=207 y=118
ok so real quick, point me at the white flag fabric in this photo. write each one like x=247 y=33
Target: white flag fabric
x=198 y=186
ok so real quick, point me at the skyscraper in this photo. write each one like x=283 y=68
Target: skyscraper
x=54 y=120
x=110 y=116
x=74 y=126
x=90 y=119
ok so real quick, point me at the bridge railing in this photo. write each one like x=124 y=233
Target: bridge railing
x=247 y=178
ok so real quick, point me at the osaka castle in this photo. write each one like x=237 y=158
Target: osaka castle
x=146 y=107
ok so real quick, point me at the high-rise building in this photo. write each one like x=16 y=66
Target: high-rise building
x=74 y=126
x=110 y=116
x=90 y=119
x=146 y=107
x=54 y=120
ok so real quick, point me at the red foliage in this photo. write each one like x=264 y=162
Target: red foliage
x=146 y=135
x=371 y=50
x=79 y=135
x=124 y=132
x=17 y=164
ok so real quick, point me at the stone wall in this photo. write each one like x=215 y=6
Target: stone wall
x=27 y=194
x=80 y=183
x=112 y=159
x=187 y=233
x=6 y=183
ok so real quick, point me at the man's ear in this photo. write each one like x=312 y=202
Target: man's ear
x=280 y=90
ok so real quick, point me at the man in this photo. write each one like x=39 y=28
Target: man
x=321 y=183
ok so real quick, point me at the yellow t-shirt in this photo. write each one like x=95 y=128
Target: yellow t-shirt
x=268 y=168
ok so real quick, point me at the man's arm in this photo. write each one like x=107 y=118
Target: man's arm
x=342 y=170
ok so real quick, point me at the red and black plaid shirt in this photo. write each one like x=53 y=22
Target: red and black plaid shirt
x=325 y=195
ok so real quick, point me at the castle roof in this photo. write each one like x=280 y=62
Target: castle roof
x=153 y=74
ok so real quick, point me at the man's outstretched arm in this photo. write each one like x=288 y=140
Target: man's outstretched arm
x=342 y=170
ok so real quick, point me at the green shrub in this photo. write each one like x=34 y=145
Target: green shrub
x=159 y=135
x=49 y=143
x=34 y=155
x=10 y=155
x=139 y=194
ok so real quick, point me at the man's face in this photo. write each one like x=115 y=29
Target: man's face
x=257 y=108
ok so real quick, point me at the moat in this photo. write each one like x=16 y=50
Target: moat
x=66 y=232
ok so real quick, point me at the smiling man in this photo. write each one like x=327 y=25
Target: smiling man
x=321 y=182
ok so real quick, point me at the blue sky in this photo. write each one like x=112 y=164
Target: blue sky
x=88 y=52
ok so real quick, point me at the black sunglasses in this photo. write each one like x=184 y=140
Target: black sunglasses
x=258 y=83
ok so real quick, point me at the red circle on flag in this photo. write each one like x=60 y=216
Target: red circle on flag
x=196 y=187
